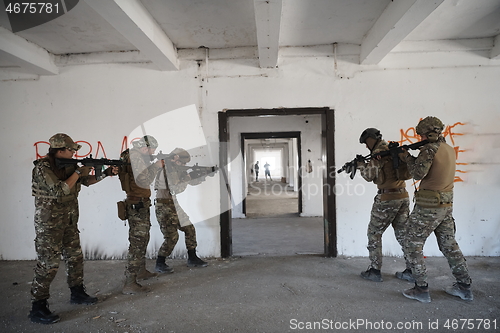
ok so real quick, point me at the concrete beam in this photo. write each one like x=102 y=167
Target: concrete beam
x=445 y=45
x=268 y=23
x=30 y=57
x=495 y=51
x=135 y=23
x=396 y=22
x=101 y=58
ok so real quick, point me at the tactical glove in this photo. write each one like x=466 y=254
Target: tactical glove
x=84 y=170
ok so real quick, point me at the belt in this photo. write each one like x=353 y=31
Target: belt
x=132 y=198
x=163 y=200
x=391 y=190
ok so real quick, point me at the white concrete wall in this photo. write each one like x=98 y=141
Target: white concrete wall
x=103 y=103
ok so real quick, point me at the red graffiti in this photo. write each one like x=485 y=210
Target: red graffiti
x=79 y=153
x=86 y=150
x=37 y=154
x=124 y=144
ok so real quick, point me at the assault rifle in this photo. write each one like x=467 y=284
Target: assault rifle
x=352 y=166
x=96 y=163
x=195 y=171
x=198 y=171
x=394 y=150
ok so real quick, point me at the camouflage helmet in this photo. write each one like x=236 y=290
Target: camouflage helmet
x=431 y=127
x=183 y=154
x=370 y=133
x=146 y=141
x=61 y=140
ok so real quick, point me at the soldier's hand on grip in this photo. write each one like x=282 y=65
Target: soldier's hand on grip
x=84 y=170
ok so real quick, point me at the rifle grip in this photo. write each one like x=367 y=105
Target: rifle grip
x=395 y=158
x=98 y=171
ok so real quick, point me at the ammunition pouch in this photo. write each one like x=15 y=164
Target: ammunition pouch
x=122 y=210
x=124 y=181
x=430 y=199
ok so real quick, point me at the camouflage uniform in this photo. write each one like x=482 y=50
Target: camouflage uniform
x=56 y=228
x=170 y=215
x=390 y=206
x=424 y=220
x=136 y=178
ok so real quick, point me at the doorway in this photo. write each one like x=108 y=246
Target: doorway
x=280 y=151
x=326 y=163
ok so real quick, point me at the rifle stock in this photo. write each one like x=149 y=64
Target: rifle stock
x=96 y=163
x=395 y=149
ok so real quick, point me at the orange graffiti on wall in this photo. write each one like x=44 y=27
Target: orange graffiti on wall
x=410 y=136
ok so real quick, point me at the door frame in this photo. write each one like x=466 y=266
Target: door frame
x=274 y=135
x=328 y=157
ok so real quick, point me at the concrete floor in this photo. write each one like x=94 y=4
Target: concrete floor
x=267 y=198
x=255 y=294
x=273 y=226
x=266 y=287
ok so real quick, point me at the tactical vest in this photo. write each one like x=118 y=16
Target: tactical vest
x=391 y=179
x=127 y=180
x=441 y=174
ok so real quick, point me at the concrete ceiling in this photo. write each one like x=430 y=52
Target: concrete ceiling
x=157 y=31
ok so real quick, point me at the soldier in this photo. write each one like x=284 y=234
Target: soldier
x=56 y=225
x=267 y=171
x=170 y=215
x=256 y=168
x=435 y=167
x=136 y=177
x=390 y=206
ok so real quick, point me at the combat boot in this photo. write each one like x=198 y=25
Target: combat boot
x=461 y=290
x=161 y=266
x=405 y=275
x=372 y=274
x=41 y=314
x=79 y=296
x=421 y=294
x=144 y=274
x=132 y=287
x=194 y=261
